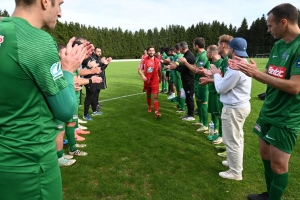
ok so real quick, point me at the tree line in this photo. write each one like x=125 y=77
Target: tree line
x=126 y=44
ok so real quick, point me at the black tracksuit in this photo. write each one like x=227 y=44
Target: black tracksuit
x=187 y=78
x=93 y=89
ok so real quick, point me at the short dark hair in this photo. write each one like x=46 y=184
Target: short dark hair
x=29 y=2
x=150 y=48
x=177 y=47
x=97 y=48
x=200 y=42
x=285 y=10
x=61 y=46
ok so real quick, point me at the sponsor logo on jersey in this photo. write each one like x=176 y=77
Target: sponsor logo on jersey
x=284 y=55
x=56 y=71
x=257 y=127
x=278 y=72
x=298 y=63
x=275 y=56
x=150 y=69
x=1 y=39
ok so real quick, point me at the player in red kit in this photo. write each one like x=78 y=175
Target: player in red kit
x=150 y=71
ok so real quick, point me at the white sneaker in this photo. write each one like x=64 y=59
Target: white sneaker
x=82 y=127
x=225 y=163
x=67 y=156
x=230 y=175
x=80 y=145
x=197 y=124
x=171 y=96
x=202 y=128
x=81 y=121
x=63 y=162
x=219 y=140
x=188 y=118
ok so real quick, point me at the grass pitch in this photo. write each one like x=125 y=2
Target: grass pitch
x=132 y=155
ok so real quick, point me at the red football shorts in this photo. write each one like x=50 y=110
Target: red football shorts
x=154 y=89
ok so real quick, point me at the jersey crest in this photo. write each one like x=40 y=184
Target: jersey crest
x=1 y=39
x=284 y=55
x=56 y=71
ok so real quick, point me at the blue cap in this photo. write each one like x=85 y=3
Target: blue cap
x=239 y=45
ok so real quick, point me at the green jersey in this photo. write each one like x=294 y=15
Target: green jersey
x=211 y=86
x=201 y=61
x=164 y=56
x=29 y=71
x=280 y=108
x=224 y=65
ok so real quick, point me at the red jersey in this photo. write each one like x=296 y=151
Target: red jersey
x=151 y=68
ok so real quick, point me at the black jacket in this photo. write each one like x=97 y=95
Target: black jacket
x=187 y=76
x=102 y=74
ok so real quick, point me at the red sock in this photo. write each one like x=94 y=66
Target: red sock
x=156 y=106
x=149 y=102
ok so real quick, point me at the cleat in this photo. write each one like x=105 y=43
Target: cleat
x=149 y=109
x=78 y=153
x=197 y=124
x=80 y=145
x=82 y=127
x=80 y=131
x=81 y=121
x=180 y=111
x=202 y=128
x=219 y=140
x=157 y=115
x=79 y=138
x=67 y=156
x=223 y=154
x=219 y=147
x=63 y=162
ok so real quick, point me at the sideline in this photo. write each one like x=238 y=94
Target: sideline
x=120 y=97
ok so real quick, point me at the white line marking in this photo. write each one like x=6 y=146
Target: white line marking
x=121 y=97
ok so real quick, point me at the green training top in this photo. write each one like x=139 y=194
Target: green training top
x=201 y=61
x=280 y=108
x=29 y=71
x=211 y=86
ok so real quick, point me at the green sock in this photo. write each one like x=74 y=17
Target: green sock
x=182 y=103
x=204 y=114
x=71 y=137
x=220 y=127
x=268 y=174
x=215 y=121
x=199 y=111
x=278 y=185
x=166 y=85
x=60 y=153
x=163 y=85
